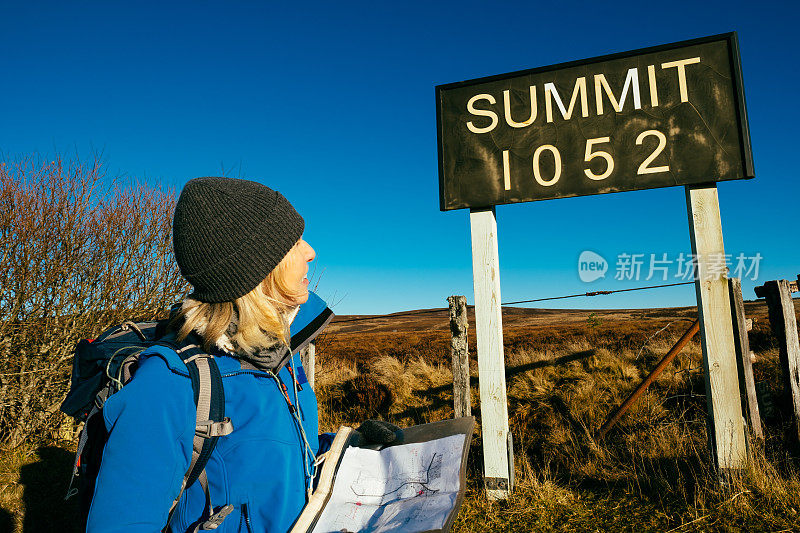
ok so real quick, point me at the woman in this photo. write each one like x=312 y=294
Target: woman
x=239 y=244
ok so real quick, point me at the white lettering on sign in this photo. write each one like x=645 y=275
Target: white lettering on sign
x=557 y=159
x=507 y=107
x=591 y=153
x=651 y=77
x=662 y=143
x=598 y=153
x=481 y=113
x=506 y=171
x=551 y=94
x=631 y=80
x=681 y=66
x=602 y=91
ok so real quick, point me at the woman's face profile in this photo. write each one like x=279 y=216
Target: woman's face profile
x=297 y=270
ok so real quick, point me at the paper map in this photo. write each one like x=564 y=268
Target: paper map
x=409 y=487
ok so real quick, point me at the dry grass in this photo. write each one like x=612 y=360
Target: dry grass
x=652 y=473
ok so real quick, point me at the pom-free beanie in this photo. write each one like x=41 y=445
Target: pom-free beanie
x=229 y=234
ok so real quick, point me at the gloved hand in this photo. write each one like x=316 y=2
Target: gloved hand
x=374 y=433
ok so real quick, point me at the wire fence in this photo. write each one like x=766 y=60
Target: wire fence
x=592 y=293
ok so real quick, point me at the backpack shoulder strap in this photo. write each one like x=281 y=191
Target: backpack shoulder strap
x=210 y=423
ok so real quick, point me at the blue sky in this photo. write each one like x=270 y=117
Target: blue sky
x=333 y=105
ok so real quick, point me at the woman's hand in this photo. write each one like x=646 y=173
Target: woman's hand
x=377 y=432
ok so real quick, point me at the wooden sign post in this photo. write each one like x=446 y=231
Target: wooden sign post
x=657 y=117
x=724 y=408
x=497 y=461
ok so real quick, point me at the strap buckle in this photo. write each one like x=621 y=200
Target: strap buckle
x=215 y=520
x=209 y=428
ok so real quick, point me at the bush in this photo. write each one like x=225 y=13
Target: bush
x=79 y=253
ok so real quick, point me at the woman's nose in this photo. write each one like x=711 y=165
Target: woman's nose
x=310 y=253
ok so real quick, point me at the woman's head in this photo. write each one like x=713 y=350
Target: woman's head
x=239 y=244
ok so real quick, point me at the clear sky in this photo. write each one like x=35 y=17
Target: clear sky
x=332 y=104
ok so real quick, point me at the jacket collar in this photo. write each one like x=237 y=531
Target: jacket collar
x=312 y=317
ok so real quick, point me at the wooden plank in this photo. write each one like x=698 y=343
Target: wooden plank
x=308 y=360
x=462 y=403
x=726 y=424
x=491 y=364
x=783 y=322
x=744 y=364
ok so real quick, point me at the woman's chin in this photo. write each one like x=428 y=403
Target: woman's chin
x=302 y=299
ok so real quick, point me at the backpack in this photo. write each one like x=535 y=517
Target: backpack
x=101 y=367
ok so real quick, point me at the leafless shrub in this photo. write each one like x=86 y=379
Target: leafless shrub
x=79 y=253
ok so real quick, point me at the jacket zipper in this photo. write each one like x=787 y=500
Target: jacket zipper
x=246 y=516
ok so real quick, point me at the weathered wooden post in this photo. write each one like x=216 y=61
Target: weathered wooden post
x=497 y=459
x=726 y=424
x=747 y=385
x=462 y=403
x=783 y=322
x=307 y=359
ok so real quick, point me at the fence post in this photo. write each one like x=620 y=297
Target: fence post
x=724 y=406
x=307 y=359
x=462 y=403
x=783 y=323
x=747 y=385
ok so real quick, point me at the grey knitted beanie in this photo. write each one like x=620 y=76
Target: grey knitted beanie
x=229 y=234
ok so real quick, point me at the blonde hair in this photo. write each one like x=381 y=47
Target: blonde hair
x=257 y=320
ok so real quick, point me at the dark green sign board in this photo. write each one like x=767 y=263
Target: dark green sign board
x=656 y=117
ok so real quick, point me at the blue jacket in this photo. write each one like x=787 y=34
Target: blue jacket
x=262 y=468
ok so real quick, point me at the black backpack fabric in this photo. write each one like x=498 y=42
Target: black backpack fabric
x=101 y=367
x=98 y=362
